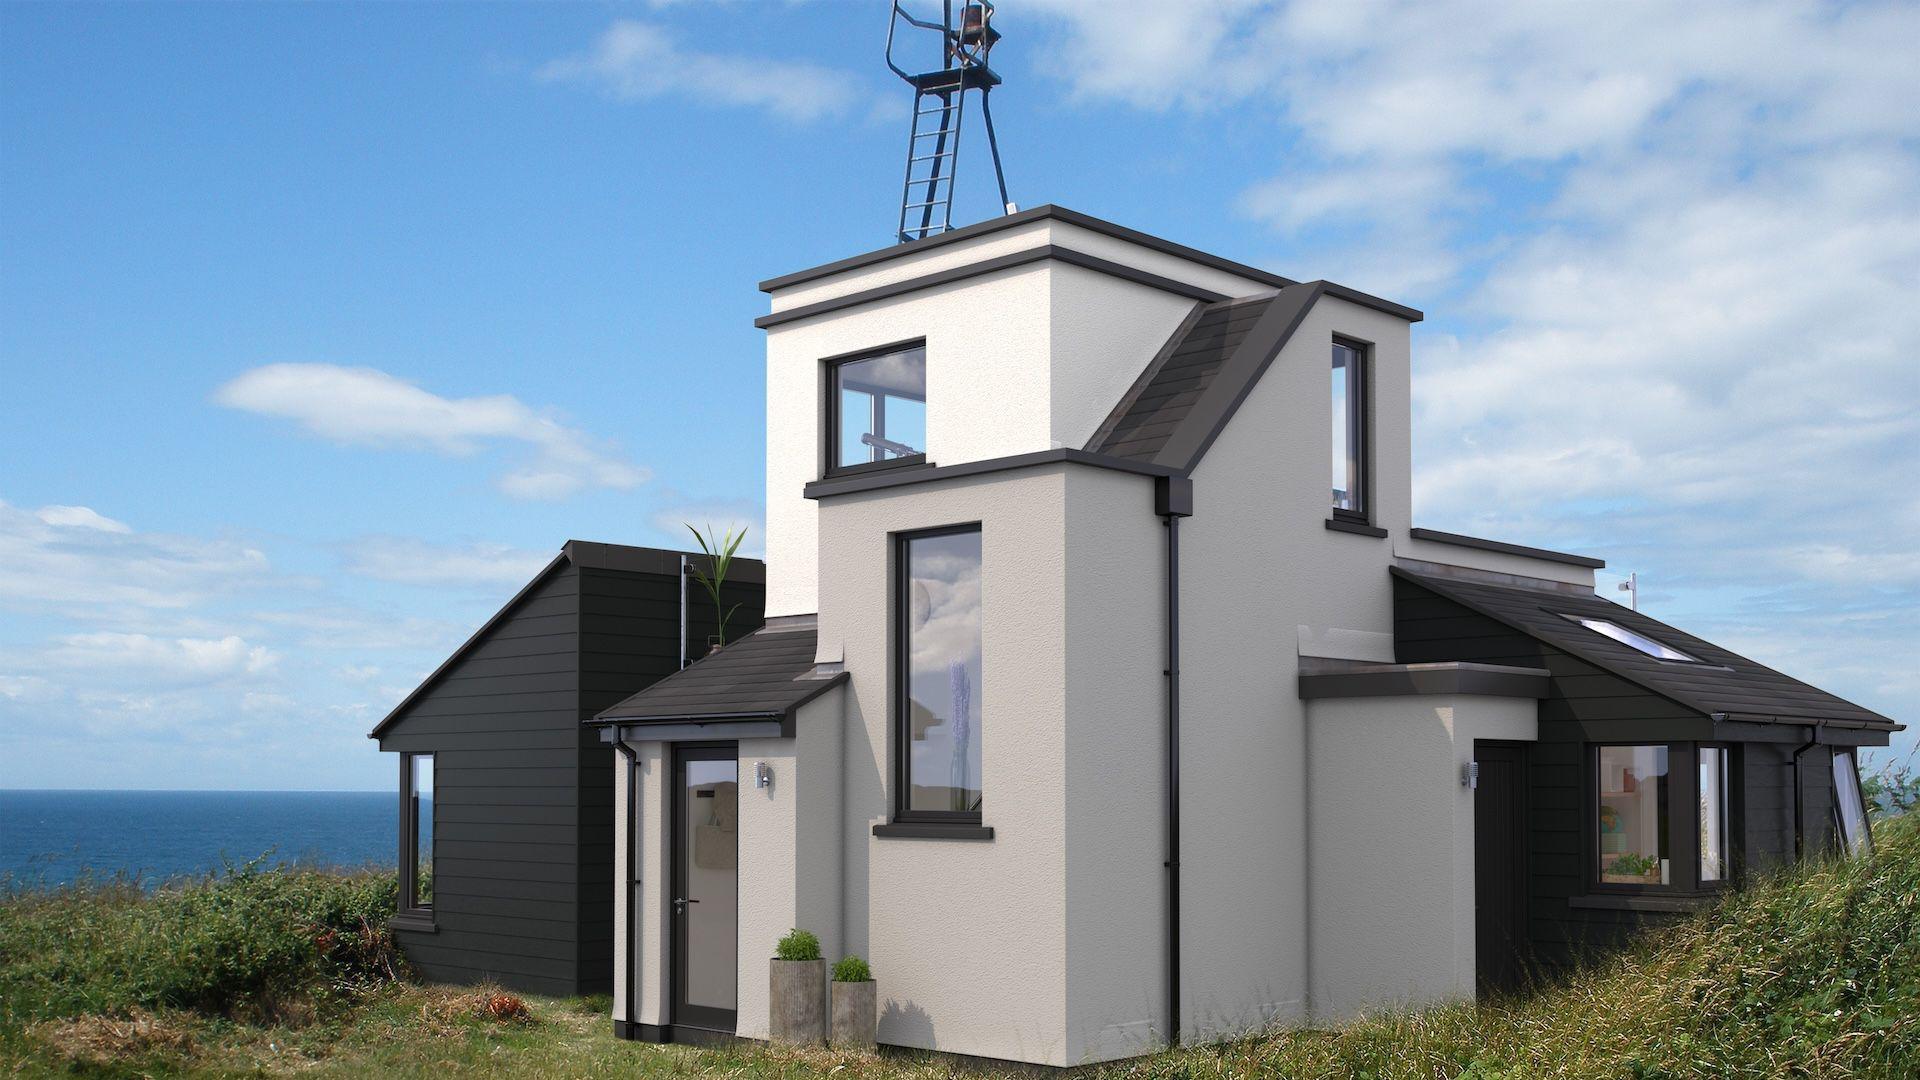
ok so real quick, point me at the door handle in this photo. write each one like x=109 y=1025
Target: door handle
x=680 y=905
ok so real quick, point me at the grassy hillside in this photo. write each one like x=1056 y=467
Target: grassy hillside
x=1815 y=973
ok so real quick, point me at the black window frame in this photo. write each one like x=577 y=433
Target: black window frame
x=830 y=375
x=1683 y=820
x=405 y=906
x=1842 y=841
x=1360 y=420
x=964 y=820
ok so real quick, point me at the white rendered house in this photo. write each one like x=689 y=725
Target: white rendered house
x=1098 y=704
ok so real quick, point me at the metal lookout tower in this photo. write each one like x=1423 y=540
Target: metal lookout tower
x=939 y=104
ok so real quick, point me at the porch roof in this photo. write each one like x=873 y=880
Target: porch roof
x=766 y=675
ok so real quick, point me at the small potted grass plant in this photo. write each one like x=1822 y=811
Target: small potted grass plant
x=855 y=1005
x=797 y=998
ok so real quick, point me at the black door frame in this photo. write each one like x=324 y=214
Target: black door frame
x=1517 y=936
x=682 y=1014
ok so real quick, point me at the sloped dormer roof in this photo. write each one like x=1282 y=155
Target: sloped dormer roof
x=767 y=674
x=1186 y=395
x=1720 y=684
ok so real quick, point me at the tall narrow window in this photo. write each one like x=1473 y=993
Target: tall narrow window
x=938 y=723
x=878 y=410
x=1349 y=432
x=1715 y=863
x=416 y=832
x=1634 y=838
x=1856 y=837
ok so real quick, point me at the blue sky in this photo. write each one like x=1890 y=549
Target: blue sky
x=322 y=327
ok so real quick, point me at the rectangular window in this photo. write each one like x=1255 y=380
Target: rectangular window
x=416 y=832
x=1632 y=639
x=878 y=410
x=1634 y=845
x=1856 y=836
x=1716 y=864
x=1349 y=432
x=937 y=727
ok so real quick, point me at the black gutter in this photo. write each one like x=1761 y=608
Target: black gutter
x=633 y=875
x=1173 y=500
x=1799 y=795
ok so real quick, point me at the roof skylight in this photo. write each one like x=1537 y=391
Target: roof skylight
x=1631 y=639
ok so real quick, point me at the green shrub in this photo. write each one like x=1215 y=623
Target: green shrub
x=852 y=969
x=798 y=945
x=248 y=942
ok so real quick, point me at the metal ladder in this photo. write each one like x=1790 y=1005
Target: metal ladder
x=939 y=107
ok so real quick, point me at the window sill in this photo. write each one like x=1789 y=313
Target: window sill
x=1642 y=902
x=841 y=472
x=414 y=921
x=930 y=830
x=1354 y=527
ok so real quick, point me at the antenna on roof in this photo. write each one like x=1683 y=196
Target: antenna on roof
x=939 y=101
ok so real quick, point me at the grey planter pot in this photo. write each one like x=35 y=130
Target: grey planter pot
x=798 y=1002
x=855 y=1015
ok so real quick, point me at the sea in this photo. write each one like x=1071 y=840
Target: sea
x=53 y=838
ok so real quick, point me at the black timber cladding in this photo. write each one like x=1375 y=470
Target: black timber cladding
x=769 y=673
x=523 y=843
x=1587 y=703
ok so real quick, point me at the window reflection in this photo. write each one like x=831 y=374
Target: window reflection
x=941 y=609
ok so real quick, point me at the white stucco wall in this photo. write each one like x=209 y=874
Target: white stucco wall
x=1390 y=846
x=967 y=938
x=791 y=843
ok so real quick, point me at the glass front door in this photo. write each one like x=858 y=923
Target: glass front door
x=706 y=885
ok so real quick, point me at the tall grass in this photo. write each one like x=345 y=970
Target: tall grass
x=250 y=942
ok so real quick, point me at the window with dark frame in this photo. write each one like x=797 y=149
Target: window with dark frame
x=1349 y=415
x=1659 y=817
x=416 y=834
x=937 y=661
x=1850 y=805
x=877 y=410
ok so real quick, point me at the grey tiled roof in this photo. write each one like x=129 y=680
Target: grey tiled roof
x=1722 y=683
x=768 y=673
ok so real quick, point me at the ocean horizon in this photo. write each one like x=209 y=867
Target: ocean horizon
x=53 y=837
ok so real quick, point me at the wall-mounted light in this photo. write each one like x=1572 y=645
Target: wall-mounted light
x=1470 y=775
x=762 y=775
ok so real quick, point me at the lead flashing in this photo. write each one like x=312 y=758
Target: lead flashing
x=1010 y=261
x=1334 y=679
x=927 y=474
x=1457 y=540
x=1013 y=221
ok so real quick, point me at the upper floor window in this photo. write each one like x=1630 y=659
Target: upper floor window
x=1349 y=431
x=937 y=737
x=878 y=410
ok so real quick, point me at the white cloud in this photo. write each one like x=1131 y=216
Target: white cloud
x=638 y=61
x=75 y=560
x=417 y=562
x=358 y=406
x=175 y=660
x=715 y=519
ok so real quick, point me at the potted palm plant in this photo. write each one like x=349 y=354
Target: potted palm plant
x=797 y=995
x=855 y=1004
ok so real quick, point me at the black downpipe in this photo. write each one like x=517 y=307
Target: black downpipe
x=1799 y=795
x=633 y=873
x=1173 y=500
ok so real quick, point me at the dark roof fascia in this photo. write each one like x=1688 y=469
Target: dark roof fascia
x=1237 y=376
x=1543 y=554
x=927 y=474
x=486 y=628
x=588 y=555
x=1010 y=261
x=1405 y=680
x=1013 y=221
x=1368 y=300
x=1604 y=663
x=786 y=717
